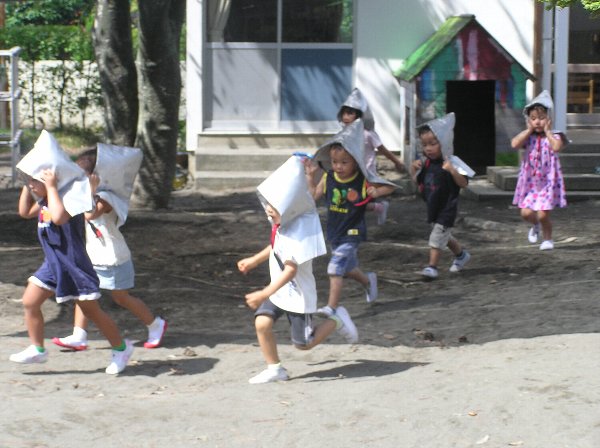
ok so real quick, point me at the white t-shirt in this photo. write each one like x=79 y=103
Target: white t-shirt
x=110 y=249
x=300 y=294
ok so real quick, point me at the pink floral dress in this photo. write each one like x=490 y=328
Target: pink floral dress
x=540 y=185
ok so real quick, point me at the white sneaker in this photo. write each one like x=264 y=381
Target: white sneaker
x=71 y=342
x=156 y=331
x=270 y=375
x=459 y=263
x=30 y=356
x=325 y=311
x=430 y=272
x=120 y=359
x=382 y=215
x=534 y=233
x=547 y=245
x=371 y=289
x=348 y=329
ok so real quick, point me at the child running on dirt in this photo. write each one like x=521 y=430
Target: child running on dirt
x=540 y=186
x=112 y=170
x=348 y=187
x=354 y=107
x=439 y=182
x=58 y=193
x=296 y=238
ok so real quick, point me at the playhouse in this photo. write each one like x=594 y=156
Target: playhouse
x=461 y=68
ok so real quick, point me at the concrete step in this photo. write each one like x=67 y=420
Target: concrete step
x=274 y=140
x=480 y=189
x=579 y=163
x=505 y=178
x=224 y=159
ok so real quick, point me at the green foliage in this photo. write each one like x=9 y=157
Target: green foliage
x=591 y=5
x=71 y=138
x=63 y=42
x=507 y=158
x=48 y=12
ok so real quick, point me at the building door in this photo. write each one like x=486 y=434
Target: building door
x=473 y=103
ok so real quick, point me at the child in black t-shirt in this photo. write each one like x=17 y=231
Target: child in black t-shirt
x=439 y=183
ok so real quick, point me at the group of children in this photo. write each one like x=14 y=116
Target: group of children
x=80 y=207
x=341 y=171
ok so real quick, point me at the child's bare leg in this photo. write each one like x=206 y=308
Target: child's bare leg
x=266 y=338
x=434 y=256
x=336 y=282
x=80 y=320
x=359 y=276
x=544 y=219
x=322 y=332
x=33 y=298
x=92 y=310
x=529 y=215
x=133 y=304
x=454 y=246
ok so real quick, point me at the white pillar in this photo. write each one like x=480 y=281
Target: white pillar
x=193 y=73
x=561 y=60
x=547 y=49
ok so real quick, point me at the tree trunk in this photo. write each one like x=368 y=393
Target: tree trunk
x=116 y=66
x=160 y=23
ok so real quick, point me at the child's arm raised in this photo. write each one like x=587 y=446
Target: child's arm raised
x=314 y=188
x=101 y=206
x=247 y=264
x=458 y=178
x=555 y=143
x=55 y=205
x=254 y=299
x=28 y=208
x=519 y=140
x=392 y=157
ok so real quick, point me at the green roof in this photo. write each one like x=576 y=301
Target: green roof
x=423 y=55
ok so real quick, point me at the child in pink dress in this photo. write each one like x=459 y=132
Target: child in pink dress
x=540 y=186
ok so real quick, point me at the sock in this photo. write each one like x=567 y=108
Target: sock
x=274 y=366
x=155 y=323
x=462 y=254
x=80 y=333
x=40 y=349
x=120 y=348
x=337 y=320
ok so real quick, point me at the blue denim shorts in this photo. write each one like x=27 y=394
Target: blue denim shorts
x=117 y=278
x=344 y=258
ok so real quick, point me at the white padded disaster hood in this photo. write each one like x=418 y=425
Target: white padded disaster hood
x=351 y=137
x=356 y=100
x=286 y=190
x=73 y=184
x=443 y=129
x=545 y=100
x=117 y=166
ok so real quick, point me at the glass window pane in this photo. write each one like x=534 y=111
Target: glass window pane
x=241 y=20
x=317 y=21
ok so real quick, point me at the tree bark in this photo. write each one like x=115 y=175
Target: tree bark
x=159 y=82
x=116 y=66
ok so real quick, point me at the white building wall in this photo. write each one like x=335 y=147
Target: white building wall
x=388 y=31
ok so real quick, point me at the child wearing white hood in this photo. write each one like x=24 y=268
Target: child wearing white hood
x=58 y=193
x=540 y=186
x=296 y=238
x=439 y=182
x=112 y=170
x=355 y=106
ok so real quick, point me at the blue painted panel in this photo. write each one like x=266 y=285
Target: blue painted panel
x=314 y=83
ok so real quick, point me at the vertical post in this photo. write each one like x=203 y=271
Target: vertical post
x=547 y=50
x=561 y=61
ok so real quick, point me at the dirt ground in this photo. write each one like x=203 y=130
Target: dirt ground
x=432 y=360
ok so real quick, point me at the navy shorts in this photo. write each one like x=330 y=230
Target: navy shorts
x=301 y=331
